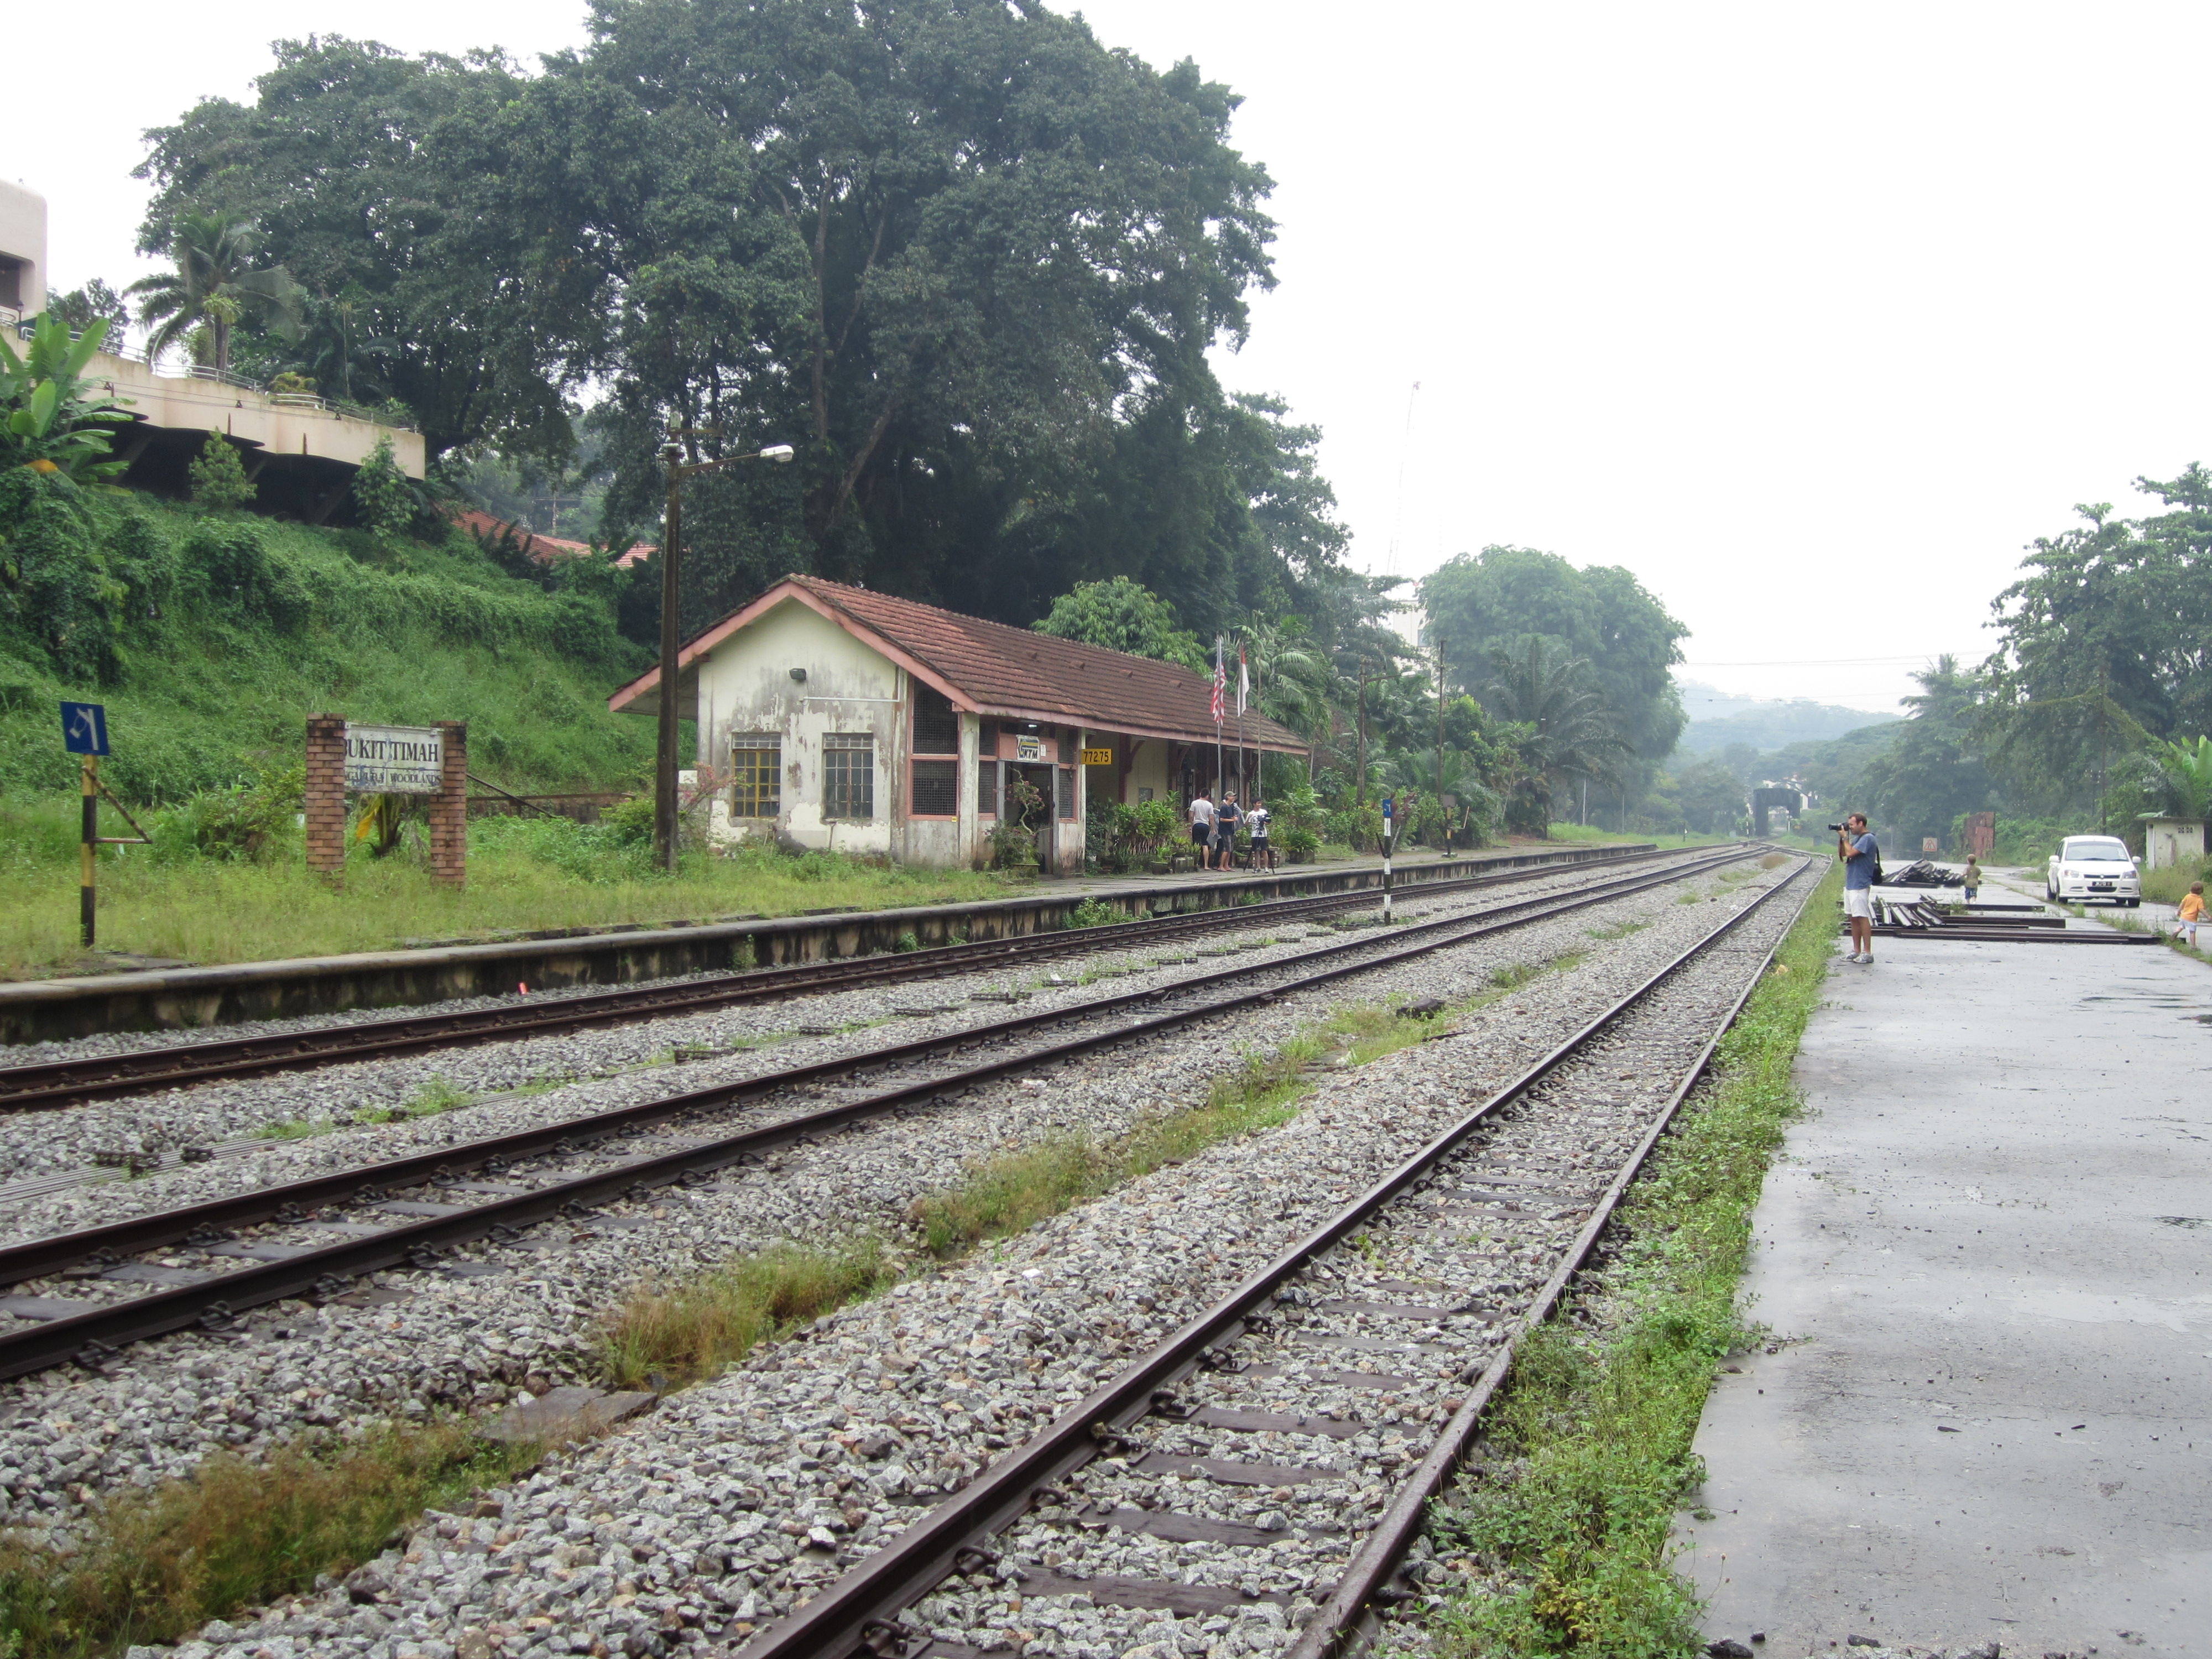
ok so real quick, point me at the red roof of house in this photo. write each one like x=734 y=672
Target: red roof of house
x=544 y=548
x=988 y=668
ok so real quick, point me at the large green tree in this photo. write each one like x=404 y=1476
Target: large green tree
x=969 y=260
x=2106 y=643
x=1929 y=773
x=1123 y=616
x=1600 y=613
x=377 y=180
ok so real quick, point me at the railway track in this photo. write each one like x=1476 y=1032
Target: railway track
x=47 y=1084
x=316 y=1237
x=1302 y=1384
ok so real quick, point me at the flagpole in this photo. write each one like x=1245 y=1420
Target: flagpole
x=1244 y=685
x=1220 y=683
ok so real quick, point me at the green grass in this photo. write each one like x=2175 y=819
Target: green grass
x=523 y=875
x=153 y=1567
x=671 y=1335
x=1562 y=1548
x=330 y=623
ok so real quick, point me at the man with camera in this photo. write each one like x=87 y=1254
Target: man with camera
x=1861 y=859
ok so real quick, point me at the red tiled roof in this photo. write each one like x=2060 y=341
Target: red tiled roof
x=544 y=548
x=989 y=668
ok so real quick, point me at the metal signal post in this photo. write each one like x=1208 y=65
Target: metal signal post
x=84 y=733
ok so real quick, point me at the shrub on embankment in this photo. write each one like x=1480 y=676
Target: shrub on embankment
x=211 y=636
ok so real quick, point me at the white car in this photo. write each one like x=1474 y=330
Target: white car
x=2090 y=868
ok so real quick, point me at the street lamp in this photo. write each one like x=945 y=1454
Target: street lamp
x=664 y=774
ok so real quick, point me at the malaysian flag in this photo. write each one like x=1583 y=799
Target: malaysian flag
x=1220 y=678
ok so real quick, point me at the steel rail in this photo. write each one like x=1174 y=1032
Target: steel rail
x=856 y=1614
x=1383 y=1552
x=93 y=1336
x=47 y=1084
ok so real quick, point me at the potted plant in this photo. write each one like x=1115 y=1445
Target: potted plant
x=1297 y=844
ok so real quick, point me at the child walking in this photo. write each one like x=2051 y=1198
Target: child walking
x=2191 y=913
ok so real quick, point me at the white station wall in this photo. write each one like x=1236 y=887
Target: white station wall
x=745 y=686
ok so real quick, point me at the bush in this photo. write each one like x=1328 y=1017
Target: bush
x=52 y=579
x=237 y=575
x=246 y=820
x=218 y=476
x=612 y=850
x=383 y=492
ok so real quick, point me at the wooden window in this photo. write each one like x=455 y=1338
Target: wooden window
x=936 y=724
x=755 y=775
x=1068 y=792
x=848 y=774
x=987 y=787
x=936 y=793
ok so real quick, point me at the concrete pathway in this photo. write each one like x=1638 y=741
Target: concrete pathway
x=1986 y=1258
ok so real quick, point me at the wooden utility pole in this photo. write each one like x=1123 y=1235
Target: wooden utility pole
x=665 y=762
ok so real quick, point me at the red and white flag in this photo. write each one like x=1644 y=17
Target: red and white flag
x=1243 y=682
x=1220 y=678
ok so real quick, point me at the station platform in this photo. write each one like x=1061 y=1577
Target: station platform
x=1985 y=1260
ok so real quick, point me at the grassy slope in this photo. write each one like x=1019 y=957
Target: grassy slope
x=215 y=688
x=210 y=681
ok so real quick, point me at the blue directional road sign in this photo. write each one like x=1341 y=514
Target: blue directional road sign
x=1390 y=807
x=84 y=728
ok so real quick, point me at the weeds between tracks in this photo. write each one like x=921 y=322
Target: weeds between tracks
x=685 y=1333
x=1563 y=1541
x=155 y=1565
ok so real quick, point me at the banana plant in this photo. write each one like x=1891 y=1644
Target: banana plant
x=53 y=422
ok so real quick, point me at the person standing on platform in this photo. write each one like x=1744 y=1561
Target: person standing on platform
x=1225 y=820
x=1255 y=821
x=1859 y=854
x=1201 y=828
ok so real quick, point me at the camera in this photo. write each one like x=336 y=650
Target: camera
x=1838 y=828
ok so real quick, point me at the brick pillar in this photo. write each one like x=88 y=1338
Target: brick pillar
x=449 y=810
x=325 y=800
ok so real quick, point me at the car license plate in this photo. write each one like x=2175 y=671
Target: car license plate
x=2100 y=886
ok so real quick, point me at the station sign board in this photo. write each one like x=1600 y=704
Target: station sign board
x=1028 y=747
x=394 y=760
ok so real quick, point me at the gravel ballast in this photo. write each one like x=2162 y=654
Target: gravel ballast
x=733 y=1499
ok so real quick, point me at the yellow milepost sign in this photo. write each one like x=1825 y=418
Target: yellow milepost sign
x=1097 y=757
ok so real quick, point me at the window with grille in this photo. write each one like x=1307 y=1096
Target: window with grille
x=756 y=776
x=848 y=774
x=936 y=789
x=1068 y=792
x=936 y=724
x=987 y=788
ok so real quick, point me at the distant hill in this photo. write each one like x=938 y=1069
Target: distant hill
x=1718 y=719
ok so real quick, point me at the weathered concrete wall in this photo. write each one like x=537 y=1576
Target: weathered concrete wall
x=745 y=686
x=184 y=998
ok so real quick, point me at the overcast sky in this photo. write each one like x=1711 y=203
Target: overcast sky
x=1810 y=317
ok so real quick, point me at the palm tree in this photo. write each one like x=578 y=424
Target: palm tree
x=1571 y=733
x=214 y=285
x=1290 y=677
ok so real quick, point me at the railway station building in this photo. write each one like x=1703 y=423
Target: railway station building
x=835 y=718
